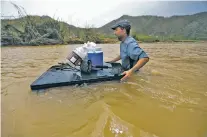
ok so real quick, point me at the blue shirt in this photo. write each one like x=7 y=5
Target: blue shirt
x=130 y=52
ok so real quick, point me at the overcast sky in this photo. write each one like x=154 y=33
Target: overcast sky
x=100 y=12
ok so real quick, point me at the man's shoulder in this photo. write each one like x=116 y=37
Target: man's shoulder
x=130 y=40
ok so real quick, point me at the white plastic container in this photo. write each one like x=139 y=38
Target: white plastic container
x=77 y=56
x=89 y=50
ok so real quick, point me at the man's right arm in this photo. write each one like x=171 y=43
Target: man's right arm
x=115 y=59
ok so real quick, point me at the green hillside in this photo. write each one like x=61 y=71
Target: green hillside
x=192 y=27
x=43 y=30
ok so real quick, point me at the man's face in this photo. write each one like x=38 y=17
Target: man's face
x=120 y=33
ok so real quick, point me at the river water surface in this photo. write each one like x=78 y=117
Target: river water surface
x=167 y=98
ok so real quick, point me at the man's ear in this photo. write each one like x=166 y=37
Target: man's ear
x=122 y=28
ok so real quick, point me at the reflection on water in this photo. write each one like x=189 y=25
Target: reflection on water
x=168 y=97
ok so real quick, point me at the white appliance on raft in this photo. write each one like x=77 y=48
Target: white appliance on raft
x=87 y=57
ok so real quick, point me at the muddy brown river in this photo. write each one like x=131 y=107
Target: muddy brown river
x=167 y=98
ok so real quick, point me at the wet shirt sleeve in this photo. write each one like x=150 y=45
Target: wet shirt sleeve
x=135 y=52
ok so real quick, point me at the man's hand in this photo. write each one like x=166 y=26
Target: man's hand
x=127 y=75
x=138 y=65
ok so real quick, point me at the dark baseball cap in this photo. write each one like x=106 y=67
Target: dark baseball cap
x=121 y=23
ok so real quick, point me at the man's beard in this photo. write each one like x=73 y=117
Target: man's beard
x=120 y=38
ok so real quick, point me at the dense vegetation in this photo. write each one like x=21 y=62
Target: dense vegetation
x=175 y=28
x=43 y=30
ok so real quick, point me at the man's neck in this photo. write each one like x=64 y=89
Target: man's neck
x=123 y=39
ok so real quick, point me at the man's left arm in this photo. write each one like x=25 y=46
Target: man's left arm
x=140 y=63
x=135 y=53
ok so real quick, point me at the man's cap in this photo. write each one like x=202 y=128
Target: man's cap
x=122 y=23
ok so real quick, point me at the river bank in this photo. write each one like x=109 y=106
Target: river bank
x=104 y=41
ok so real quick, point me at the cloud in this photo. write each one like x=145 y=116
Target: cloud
x=100 y=12
x=77 y=12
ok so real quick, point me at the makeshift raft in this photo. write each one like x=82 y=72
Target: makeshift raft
x=65 y=75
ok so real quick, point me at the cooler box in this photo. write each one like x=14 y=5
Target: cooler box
x=96 y=57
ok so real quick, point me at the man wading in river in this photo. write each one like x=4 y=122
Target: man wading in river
x=131 y=55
